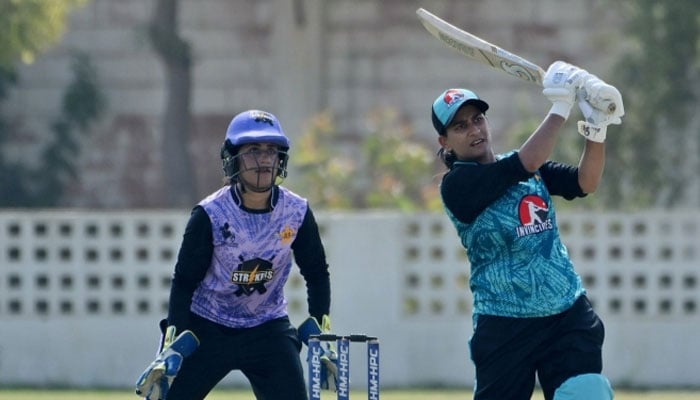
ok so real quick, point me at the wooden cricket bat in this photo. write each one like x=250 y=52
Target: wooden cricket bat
x=478 y=49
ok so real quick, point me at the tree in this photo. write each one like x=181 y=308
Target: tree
x=28 y=27
x=43 y=185
x=176 y=55
x=649 y=163
x=658 y=77
x=388 y=167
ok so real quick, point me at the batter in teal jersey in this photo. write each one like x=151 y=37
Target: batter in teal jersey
x=531 y=315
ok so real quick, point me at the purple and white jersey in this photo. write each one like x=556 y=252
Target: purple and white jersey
x=244 y=285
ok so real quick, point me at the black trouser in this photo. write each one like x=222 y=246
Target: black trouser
x=508 y=352
x=268 y=355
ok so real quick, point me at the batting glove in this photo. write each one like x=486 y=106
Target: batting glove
x=156 y=379
x=601 y=96
x=561 y=82
x=329 y=359
x=596 y=120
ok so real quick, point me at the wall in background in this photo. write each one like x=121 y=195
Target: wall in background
x=81 y=293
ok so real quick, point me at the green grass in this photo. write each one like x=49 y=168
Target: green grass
x=222 y=394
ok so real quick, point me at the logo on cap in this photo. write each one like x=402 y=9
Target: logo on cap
x=452 y=96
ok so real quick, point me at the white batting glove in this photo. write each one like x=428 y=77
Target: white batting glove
x=561 y=82
x=601 y=95
x=596 y=122
x=601 y=105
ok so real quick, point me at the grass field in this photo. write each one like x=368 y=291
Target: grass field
x=415 y=394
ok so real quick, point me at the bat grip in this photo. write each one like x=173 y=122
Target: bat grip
x=587 y=108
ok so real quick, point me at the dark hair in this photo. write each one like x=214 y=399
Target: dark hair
x=448 y=157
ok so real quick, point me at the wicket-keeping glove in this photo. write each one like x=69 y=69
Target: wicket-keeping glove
x=155 y=381
x=329 y=359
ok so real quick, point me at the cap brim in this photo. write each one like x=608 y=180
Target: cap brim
x=478 y=103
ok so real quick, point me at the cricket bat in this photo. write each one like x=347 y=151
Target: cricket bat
x=479 y=50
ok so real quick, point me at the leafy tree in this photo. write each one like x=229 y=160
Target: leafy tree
x=28 y=27
x=82 y=103
x=658 y=77
x=10 y=172
x=44 y=184
x=648 y=162
x=388 y=167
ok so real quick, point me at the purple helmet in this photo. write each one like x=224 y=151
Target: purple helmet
x=253 y=126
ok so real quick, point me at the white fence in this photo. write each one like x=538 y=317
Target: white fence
x=81 y=293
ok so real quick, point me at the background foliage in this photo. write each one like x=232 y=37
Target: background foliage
x=651 y=156
x=28 y=27
x=387 y=167
x=651 y=164
x=41 y=183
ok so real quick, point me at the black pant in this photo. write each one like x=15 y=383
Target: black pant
x=507 y=352
x=268 y=355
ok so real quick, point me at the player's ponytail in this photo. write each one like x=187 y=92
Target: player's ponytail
x=448 y=157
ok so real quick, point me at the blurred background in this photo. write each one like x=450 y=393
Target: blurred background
x=112 y=114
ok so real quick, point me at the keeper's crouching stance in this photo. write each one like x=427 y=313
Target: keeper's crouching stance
x=155 y=381
x=227 y=295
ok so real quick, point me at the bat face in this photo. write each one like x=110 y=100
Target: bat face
x=518 y=71
x=477 y=49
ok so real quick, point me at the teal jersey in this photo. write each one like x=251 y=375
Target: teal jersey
x=519 y=266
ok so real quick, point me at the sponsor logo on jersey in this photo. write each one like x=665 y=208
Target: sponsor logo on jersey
x=251 y=276
x=534 y=216
x=226 y=231
x=287 y=235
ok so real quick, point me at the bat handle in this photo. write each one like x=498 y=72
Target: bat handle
x=587 y=108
